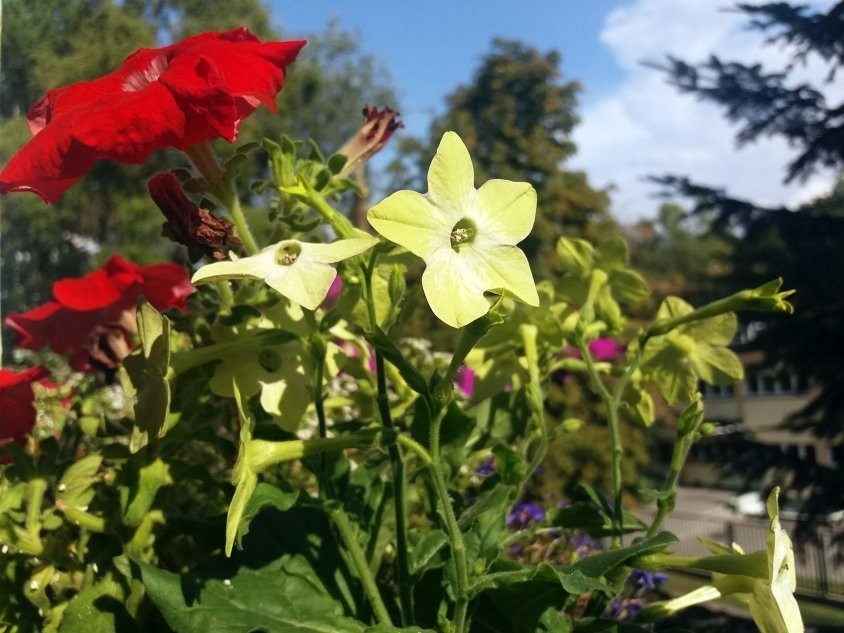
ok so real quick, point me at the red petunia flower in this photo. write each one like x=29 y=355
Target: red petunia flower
x=193 y=91
x=92 y=318
x=17 y=405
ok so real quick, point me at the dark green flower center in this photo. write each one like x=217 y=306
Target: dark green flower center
x=269 y=360
x=287 y=253
x=462 y=233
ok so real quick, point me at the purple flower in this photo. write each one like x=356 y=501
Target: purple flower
x=465 y=381
x=606 y=349
x=623 y=609
x=584 y=544
x=647 y=579
x=486 y=467
x=523 y=514
x=334 y=292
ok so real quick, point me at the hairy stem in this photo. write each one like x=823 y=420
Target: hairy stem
x=347 y=534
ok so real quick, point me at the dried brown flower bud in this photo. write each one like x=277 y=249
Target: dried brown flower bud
x=198 y=229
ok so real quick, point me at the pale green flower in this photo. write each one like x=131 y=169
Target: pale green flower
x=765 y=580
x=466 y=236
x=301 y=271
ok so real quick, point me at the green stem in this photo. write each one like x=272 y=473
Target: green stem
x=396 y=465
x=455 y=536
x=339 y=222
x=411 y=444
x=536 y=403
x=226 y=296
x=347 y=534
x=37 y=487
x=229 y=197
x=611 y=402
x=82 y=518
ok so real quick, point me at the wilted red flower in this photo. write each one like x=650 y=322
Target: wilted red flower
x=176 y=96
x=198 y=229
x=93 y=317
x=16 y=403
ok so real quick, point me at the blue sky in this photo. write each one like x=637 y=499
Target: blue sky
x=432 y=46
x=633 y=123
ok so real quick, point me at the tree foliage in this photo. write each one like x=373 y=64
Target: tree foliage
x=802 y=244
x=765 y=103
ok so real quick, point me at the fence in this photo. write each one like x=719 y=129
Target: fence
x=820 y=568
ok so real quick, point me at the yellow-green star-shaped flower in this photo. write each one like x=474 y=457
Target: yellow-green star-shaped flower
x=466 y=236
x=301 y=271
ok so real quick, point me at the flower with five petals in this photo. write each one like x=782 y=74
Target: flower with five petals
x=466 y=236
x=300 y=271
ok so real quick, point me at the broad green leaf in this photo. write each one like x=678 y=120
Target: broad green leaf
x=265 y=496
x=98 y=609
x=428 y=553
x=287 y=578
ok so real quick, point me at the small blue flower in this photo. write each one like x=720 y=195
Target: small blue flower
x=523 y=514
x=647 y=579
x=487 y=467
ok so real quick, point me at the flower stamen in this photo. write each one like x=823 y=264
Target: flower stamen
x=287 y=253
x=462 y=233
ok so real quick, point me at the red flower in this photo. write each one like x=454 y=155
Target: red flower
x=176 y=96
x=93 y=317
x=16 y=403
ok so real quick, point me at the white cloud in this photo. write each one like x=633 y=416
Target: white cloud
x=646 y=127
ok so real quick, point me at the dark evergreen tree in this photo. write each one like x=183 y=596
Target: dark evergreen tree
x=802 y=245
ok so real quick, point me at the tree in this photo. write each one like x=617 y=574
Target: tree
x=802 y=245
x=764 y=103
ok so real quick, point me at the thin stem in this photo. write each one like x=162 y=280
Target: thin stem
x=229 y=197
x=611 y=403
x=37 y=487
x=455 y=536
x=534 y=392
x=226 y=296
x=396 y=465
x=347 y=534
x=411 y=444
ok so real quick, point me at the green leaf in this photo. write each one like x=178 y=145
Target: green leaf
x=602 y=563
x=611 y=253
x=76 y=487
x=385 y=345
x=287 y=578
x=98 y=609
x=575 y=255
x=428 y=553
x=628 y=286
x=336 y=163
x=154 y=332
x=281 y=497
x=144 y=483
